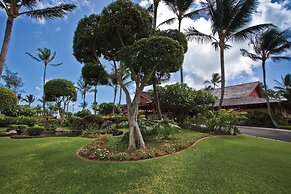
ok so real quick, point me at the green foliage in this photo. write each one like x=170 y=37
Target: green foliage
x=75 y=122
x=106 y=108
x=12 y=80
x=182 y=101
x=167 y=128
x=224 y=121
x=94 y=74
x=123 y=22
x=91 y=121
x=8 y=99
x=22 y=120
x=175 y=35
x=56 y=89
x=35 y=131
x=83 y=113
x=158 y=53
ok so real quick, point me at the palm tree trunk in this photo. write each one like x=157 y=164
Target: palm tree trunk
x=156 y=5
x=221 y=48
x=157 y=100
x=120 y=95
x=95 y=100
x=84 y=100
x=43 y=100
x=6 y=41
x=114 y=98
x=181 y=67
x=266 y=94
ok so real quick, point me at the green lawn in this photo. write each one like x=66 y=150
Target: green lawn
x=217 y=165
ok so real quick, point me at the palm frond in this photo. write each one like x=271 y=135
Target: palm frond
x=55 y=65
x=194 y=13
x=279 y=58
x=246 y=33
x=193 y=34
x=3 y=5
x=50 y=12
x=169 y=22
x=33 y=57
x=30 y=4
x=252 y=56
x=53 y=57
x=151 y=8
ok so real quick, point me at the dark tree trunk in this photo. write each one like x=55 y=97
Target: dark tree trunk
x=181 y=67
x=157 y=100
x=267 y=96
x=84 y=100
x=120 y=95
x=43 y=100
x=221 y=49
x=114 y=98
x=6 y=41
x=95 y=100
x=156 y=5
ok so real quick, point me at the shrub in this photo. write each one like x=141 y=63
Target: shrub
x=34 y=131
x=75 y=122
x=30 y=121
x=83 y=113
x=106 y=108
x=118 y=118
x=8 y=99
x=93 y=121
x=167 y=128
x=6 y=121
x=223 y=121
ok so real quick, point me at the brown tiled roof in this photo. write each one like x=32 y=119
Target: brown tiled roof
x=244 y=101
x=236 y=91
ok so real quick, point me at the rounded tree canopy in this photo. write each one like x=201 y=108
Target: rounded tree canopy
x=56 y=88
x=88 y=39
x=158 y=53
x=175 y=35
x=94 y=74
x=8 y=99
x=123 y=23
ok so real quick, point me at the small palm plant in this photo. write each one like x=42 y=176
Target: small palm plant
x=83 y=88
x=215 y=80
x=16 y=8
x=29 y=99
x=284 y=87
x=45 y=57
x=268 y=45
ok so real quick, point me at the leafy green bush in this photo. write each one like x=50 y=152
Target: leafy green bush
x=34 y=131
x=167 y=128
x=17 y=127
x=75 y=122
x=30 y=121
x=106 y=108
x=92 y=121
x=8 y=99
x=83 y=113
x=118 y=118
x=6 y=121
x=223 y=121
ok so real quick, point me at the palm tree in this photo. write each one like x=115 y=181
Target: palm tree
x=45 y=57
x=215 y=80
x=268 y=45
x=285 y=84
x=182 y=9
x=227 y=21
x=29 y=99
x=15 y=8
x=83 y=88
x=114 y=84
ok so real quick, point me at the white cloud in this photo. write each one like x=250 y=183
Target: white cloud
x=202 y=60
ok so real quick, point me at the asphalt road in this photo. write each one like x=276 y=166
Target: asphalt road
x=278 y=134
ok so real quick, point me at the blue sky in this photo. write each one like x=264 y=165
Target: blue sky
x=28 y=35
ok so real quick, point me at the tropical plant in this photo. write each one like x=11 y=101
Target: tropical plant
x=284 y=87
x=94 y=75
x=15 y=8
x=45 y=57
x=215 y=80
x=114 y=84
x=12 y=81
x=61 y=92
x=29 y=99
x=268 y=44
x=8 y=99
x=182 y=10
x=83 y=88
x=106 y=108
x=228 y=19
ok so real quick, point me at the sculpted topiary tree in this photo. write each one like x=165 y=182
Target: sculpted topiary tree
x=94 y=75
x=143 y=58
x=61 y=92
x=8 y=99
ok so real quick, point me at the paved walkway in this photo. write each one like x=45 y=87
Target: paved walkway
x=278 y=134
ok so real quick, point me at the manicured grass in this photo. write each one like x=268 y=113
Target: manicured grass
x=217 y=165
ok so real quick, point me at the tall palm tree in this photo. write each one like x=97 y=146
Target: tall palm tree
x=182 y=9
x=227 y=21
x=29 y=99
x=269 y=44
x=215 y=80
x=45 y=57
x=83 y=88
x=114 y=84
x=15 y=8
